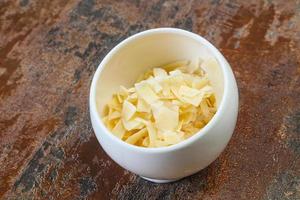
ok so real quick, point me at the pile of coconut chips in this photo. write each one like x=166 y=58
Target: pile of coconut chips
x=166 y=106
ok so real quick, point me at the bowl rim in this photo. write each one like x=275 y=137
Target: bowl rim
x=226 y=72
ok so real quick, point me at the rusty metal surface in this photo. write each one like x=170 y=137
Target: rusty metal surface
x=49 y=51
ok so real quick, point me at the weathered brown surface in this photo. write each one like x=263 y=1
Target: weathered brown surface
x=49 y=51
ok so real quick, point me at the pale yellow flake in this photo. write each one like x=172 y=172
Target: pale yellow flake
x=188 y=91
x=146 y=93
x=142 y=106
x=114 y=115
x=152 y=135
x=171 y=66
x=128 y=110
x=119 y=130
x=136 y=136
x=165 y=118
x=132 y=124
x=172 y=137
x=159 y=72
x=146 y=141
x=156 y=87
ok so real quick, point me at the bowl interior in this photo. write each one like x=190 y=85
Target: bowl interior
x=126 y=62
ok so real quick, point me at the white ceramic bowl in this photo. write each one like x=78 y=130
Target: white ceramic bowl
x=124 y=63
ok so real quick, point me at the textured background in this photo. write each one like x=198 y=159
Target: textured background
x=49 y=51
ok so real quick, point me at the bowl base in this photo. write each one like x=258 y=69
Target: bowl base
x=159 y=180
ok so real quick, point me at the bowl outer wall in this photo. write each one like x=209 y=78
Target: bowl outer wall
x=185 y=160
